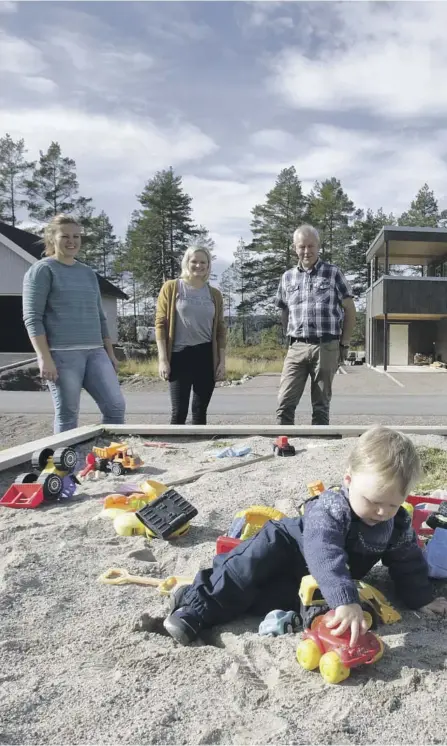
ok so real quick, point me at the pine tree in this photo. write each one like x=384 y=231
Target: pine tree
x=53 y=187
x=273 y=226
x=14 y=171
x=364 y=230
x=99 y=246
x=423 y=210
x=241 y=278
x=160 y=231
x=227 y=288
x=330 y=211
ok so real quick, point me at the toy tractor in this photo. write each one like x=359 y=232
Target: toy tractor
x=56 y=475
x=375 y=606
x=117 y=458
x=332 y=654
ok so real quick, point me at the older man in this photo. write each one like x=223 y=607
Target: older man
x=318 y=315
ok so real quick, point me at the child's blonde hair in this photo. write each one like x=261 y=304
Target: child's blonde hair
x=389 y=455
x=186 y=275
x=50 y=231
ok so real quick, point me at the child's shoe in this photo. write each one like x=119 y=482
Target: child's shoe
x=183 y=625
x=176 y=597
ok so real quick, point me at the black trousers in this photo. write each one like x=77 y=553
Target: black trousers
x=260 y=574
x=191 y=368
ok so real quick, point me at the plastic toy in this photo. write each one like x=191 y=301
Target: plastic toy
x=232 y=452
x=119 y=576
x=279 y=622
x=439 y=518
x=126 y=503
x=167 y=515
x=55 y=480
x=248 y=522
x=282 y=447
x=374 y=604
x=117 y=458
x=315 y=488
x=127 y=524
x=334 y=656
x=226 y=544
x=423 y=508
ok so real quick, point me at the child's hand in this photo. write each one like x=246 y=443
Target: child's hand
x=350 y=615
x=436 y=607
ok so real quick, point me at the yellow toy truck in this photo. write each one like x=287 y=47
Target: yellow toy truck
x=117 y=458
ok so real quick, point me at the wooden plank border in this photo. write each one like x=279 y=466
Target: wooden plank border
x=21 y=454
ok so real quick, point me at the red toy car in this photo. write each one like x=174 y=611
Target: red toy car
x=319 y=647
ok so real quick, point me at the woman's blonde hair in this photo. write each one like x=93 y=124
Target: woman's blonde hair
x=389 y=455
x=50 y=231
x=185 y=274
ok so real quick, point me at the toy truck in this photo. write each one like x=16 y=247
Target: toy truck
x=54 y=482
x=117 y=458
x=333 y=655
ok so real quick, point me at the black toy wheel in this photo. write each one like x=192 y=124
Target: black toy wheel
x=276 y=450
x=52 y=487
x=39 y=459
x=26 y=478
x=372 y=612
x=442 y=510
x=102 y=464
x=117 y=470
x=65 y=459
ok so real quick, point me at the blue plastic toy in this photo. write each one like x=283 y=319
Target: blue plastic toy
x=280 y=622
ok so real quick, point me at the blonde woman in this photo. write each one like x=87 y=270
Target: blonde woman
x=67 y=327
x=191 y=337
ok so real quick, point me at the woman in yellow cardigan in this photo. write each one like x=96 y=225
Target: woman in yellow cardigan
x=191 y=337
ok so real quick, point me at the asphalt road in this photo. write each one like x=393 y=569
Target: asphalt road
x=241 y=401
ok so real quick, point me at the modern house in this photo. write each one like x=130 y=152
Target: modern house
x=406 y=314
x=18 y=250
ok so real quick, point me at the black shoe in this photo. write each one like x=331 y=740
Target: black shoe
x=183 y=625
x=177 y=596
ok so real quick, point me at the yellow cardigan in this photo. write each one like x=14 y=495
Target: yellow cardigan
x=165 y=319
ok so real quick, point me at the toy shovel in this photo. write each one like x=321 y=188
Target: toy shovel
x=119 y=576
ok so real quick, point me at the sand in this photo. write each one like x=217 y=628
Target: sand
x=82 y=662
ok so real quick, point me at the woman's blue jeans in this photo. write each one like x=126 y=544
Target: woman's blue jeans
x=93 y=371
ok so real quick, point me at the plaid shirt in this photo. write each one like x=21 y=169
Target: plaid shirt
x=313 y=298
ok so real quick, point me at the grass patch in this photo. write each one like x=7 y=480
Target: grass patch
x=236 y=366
x=434 y=465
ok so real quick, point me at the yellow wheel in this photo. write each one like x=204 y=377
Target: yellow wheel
x=308 y=654
x=381 y=651
x=332 y=669
x=368 y=619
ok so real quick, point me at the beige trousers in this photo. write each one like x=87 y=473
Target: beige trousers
x=320 y=362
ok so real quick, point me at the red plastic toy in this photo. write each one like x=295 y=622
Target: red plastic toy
x=226 y=544
x=420 y=516
x=23 y=496
x=90 y=464
x=282 y=447
x=319 y=647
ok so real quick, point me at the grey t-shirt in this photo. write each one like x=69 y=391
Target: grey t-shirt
x=194 y=316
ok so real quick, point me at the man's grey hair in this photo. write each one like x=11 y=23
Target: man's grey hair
x=306 y=230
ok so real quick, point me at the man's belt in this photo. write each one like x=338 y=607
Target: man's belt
x=315 y=340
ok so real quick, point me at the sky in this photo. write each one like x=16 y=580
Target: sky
x=228 y=94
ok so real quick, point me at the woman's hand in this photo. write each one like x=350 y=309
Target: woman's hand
x=220 y=371
x=47 y=368
x=437 y=607
x=350 y=615
x=164 y=369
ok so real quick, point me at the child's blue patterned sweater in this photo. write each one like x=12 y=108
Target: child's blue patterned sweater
x=332 y=538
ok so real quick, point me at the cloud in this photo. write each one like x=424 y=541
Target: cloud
x=8 y=7
x=18 y=56
x=389 y=59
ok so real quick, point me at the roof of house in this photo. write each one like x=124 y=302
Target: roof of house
x=409 y=245
x=32 y=244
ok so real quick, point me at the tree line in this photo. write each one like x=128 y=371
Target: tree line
x=162 y=226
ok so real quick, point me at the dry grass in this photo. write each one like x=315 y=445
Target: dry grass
x=434 y=465
x=236 y=367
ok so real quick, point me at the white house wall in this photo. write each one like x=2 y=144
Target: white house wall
x=13 y=269
x=110 y=309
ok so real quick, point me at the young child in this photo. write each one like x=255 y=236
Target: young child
x=338 y=538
